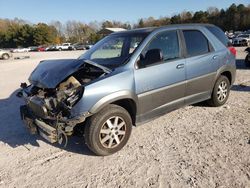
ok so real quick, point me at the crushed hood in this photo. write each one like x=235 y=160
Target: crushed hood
x=49 y=73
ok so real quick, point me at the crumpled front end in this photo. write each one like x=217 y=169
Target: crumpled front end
x=48 y=110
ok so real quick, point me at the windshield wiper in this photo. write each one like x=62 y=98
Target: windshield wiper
x=105 y=69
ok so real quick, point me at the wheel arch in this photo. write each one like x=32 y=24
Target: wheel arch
x=130 y=106
x=125 y=99
x=228 y=74
x=228 y=71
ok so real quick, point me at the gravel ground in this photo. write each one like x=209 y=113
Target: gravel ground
x=196 y=146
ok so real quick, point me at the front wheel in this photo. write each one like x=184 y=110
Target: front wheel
x=5 y=56
x=108 y=131
x=220 y=92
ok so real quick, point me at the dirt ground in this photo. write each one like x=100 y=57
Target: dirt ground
x=196 y=146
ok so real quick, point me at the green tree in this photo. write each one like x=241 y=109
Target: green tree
x=94 y=37
x=24 y=36
x=176 y=19
x=200 y=17
x=44 y=34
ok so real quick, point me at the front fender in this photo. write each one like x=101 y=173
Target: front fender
x=112 y=98
x=116 y=86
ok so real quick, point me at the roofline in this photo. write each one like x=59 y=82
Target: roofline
x=151 y=29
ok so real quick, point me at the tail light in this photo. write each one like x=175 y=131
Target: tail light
x=232 y=50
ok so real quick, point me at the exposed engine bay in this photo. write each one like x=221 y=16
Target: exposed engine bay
x=47 y=110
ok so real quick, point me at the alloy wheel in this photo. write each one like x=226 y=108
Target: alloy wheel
x=222 y=91
x=112 y=132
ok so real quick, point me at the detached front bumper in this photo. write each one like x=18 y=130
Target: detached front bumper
x=53 y=130
x=36 y=126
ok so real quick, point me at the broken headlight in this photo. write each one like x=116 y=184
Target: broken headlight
x=74 y=96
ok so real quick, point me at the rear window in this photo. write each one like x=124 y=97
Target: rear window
x=219 y=34
x=196 y=42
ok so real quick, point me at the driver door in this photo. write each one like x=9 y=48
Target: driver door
x=161 y=86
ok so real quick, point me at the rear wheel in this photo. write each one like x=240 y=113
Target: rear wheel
x=220 y=92
x=108 y=131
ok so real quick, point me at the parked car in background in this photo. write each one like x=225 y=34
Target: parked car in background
x=63 y=46
x=48 y=48
x=5 y=54
x=77 y=46
x=20 y=50
x=117 y=84
x=230 y=38
x=52 y=48
x=88 y=46
x=32 y=48
x=41 y=48
x=241 y=40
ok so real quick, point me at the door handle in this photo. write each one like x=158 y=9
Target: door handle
x=215 y=57
x=180 y=66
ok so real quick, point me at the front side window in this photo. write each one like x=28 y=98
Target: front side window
x=168 y=43
x=196 y=42
x=134 y=43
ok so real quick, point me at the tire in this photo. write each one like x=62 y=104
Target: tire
x=220 y=92
x=115 y=124
x=60 y=49
x=5 y=56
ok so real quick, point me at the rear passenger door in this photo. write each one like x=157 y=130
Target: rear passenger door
x=200 y=66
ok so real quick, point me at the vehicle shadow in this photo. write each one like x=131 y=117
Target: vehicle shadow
x=241 y=87
x=13 y=132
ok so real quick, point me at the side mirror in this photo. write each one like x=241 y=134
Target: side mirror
x=152 y=56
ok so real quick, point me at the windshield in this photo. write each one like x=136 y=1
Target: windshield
x=114 y=50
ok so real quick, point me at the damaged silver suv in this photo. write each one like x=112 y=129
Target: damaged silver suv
x=125 y=79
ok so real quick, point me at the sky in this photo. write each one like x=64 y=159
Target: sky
x=86 y=11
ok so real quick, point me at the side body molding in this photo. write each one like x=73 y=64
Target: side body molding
x=126 y=94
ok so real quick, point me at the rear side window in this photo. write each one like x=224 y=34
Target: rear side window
x=218 y=33
x=196 y=42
